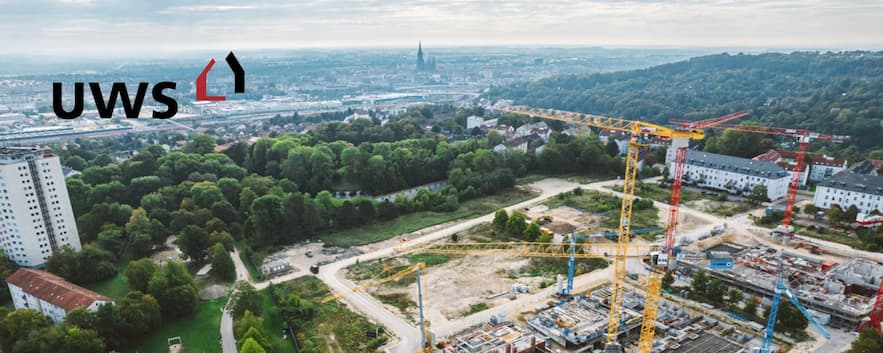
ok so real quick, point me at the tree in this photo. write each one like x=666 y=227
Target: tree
x=758 y=195
x=194 y=242
x=111 y=238
x=612 y=148
x=296 y=311
x=79 y=340
x=23 y=322
x=667 y=280
x=222 y=264
x=245 y=298
x=247 y=321
x=835 y=215
x=500 y=219
x=789 y=319
x=251 y=346
x=750 y=309
x=699 y=284
x=140 y=312
x=734 y=297
x=868 y=341
x=109 y=324
x=367 y=211
x=201 y=144
x=810 y=209
x=267 y=217
x=716 y=291
x=139 y=272
x=532 y=232
x=89 y=265
x=346 y=215
x=516 y=223
x=174 y=289
x=257 y=336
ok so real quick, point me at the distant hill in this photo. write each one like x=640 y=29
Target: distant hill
x=835 y=93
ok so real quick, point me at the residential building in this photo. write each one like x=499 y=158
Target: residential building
x=816 y=168
x=35 y=211
x=847 y=188
x=865 y=167
x=519 y=144
x=734 y=174
x=50 y=294
x=478 y=122
x=620 y=137
x=356 y=115
x=540 y=129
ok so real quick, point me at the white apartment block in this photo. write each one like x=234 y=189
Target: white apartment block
x=847 y=188
x=734 y=174
x=35 y=211
x=50 y=294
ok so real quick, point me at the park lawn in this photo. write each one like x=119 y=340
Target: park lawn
x=418 y=220
x=116 y=287
x=198 y=332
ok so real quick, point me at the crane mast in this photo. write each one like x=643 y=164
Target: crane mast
x=637 y=130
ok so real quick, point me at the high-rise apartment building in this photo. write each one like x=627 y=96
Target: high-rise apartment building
x=35 y=211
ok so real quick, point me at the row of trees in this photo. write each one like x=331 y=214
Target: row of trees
x=780 y=89
x=517 y=226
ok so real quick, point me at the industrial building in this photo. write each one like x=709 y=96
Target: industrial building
x=502 y=338
x=36 y=211
x=843 y=294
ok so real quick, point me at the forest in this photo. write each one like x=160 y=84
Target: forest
x=833 y=93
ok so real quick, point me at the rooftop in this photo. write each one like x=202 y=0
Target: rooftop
x=782 y=155
x=847 y=180
x=53 y=289
x=735 y=164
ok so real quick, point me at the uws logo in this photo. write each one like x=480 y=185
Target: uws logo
x=132 y=107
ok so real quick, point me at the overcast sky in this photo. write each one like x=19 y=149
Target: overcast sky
x=130 y=27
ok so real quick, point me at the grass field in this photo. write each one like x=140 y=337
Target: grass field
x=827 y=234
x=592 y=201
x=415 y=221
x=198 y=332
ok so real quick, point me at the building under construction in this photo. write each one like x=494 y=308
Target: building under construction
x=843 y=294
x=502 y=338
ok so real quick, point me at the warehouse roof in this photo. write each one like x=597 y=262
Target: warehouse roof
x=53 y=289
x=847 y=180
x=735 y=164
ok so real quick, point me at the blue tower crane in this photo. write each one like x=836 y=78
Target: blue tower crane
x=781 y=288
x=571 y=264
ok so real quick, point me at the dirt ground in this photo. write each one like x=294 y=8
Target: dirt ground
x=566 y=219
x=451 y=288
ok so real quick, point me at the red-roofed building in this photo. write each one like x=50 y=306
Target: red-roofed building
x=50 y=294
x=818 y=168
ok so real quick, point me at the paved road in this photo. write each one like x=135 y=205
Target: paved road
x=228 y=342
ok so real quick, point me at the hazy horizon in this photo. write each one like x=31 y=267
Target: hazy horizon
x=106 y=28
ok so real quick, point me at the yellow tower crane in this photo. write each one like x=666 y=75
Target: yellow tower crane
x=426 y=338
x=639 y=131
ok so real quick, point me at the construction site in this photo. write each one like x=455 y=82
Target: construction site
x=842 y=294
x=478 y=290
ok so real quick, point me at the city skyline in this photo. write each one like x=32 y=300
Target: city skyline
x=100 y=27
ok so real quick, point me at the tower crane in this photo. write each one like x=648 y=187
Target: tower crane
x=876 y=314
x=425 y=337
x=803 y=137
x=781 y=288
x=571 y=264
x=639 y=131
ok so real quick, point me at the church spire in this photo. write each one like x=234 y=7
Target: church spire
x=421 y=65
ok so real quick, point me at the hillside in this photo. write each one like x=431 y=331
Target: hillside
x=836 y=93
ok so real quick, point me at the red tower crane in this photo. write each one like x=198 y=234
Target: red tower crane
x=876 y=316
x=803 y=138
x=679 y=147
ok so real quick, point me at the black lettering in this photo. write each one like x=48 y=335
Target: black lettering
x=238 y=73
x=105 y=111
x=159 y=97
x=58 y=106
